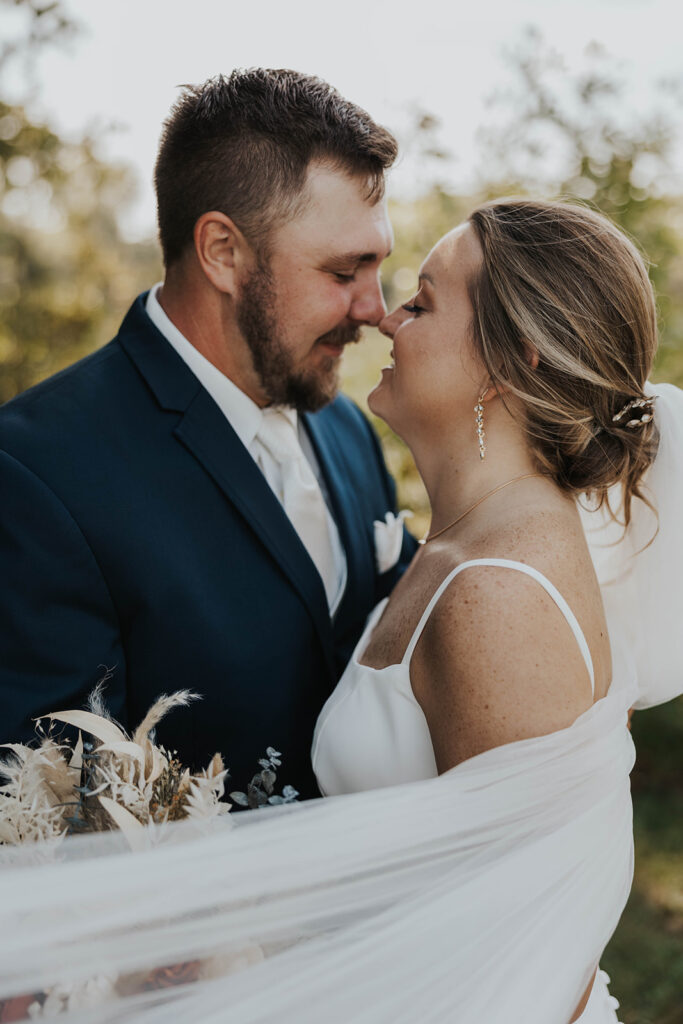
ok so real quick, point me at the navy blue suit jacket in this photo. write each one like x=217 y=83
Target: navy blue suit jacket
x=139 y=538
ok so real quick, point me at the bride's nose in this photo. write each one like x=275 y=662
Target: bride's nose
x=390 y=322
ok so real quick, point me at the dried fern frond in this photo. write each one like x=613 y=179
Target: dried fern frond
x=161 y=706
x=154 y=761
x=203 y=799
x=96 y=703
x=109 y=780
x=31 y=800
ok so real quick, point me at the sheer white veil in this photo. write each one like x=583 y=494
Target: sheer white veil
x=641 y=577
x=487 y=894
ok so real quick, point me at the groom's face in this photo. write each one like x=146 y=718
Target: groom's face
x=319 y=285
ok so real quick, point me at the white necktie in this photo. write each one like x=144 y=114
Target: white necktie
x=301 y=495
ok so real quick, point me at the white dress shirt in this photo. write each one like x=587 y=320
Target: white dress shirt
x=245 y=416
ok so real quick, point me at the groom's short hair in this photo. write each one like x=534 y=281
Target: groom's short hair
x=242 y=144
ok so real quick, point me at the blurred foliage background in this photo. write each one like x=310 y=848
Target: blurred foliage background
x=67 y=277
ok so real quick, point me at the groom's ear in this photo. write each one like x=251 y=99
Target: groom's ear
x=222 y=250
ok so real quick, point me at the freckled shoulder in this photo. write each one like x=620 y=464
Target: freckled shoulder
x=497 y=662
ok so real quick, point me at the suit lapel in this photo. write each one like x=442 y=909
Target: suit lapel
x=352 y=528
x=205 y=432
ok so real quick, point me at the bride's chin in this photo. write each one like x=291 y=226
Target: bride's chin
x=380 y=404
x=377 y=399
x=375 y=403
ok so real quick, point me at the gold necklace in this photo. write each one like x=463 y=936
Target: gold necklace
x=524 y=476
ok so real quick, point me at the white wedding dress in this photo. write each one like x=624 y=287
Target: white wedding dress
x=485 y=894
x=372 y=731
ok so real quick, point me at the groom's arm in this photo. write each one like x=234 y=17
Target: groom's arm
x=59 y=632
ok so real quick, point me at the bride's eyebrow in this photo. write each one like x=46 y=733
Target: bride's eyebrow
x=426 y=277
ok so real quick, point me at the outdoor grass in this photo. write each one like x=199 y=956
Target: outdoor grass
x=645 y=956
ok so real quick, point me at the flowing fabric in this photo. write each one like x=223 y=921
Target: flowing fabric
x=640 y=571
x=486 y=894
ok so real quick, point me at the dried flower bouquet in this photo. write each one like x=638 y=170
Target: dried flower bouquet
x=115 y=781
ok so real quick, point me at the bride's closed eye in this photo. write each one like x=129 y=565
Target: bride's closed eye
x=415 y=310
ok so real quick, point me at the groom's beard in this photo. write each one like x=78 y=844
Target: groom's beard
x=304 y=390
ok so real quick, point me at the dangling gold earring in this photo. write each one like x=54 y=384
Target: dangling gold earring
x=481 y=433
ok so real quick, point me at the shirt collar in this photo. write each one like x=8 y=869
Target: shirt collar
x=243 y=414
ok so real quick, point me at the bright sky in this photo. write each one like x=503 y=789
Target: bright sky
x=391 y=56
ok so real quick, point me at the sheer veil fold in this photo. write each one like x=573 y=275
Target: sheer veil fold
x=640 y=572
x=487 y=894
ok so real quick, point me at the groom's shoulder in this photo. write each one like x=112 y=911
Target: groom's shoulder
x=71 y=405
x=348 y=430
x=343 y=416
x=81 y=373
x=83 y=386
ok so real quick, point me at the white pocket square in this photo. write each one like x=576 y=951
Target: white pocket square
x=389 y=539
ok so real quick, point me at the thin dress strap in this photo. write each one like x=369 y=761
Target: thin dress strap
x=529 y=571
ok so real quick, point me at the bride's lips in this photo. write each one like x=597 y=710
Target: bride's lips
x=391 y=365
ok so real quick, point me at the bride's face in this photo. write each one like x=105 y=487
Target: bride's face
x=436 y=376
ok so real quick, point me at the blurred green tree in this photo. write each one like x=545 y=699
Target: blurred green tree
x=551 y=132
x=66 y=274
x=581 y=135
x=38 y=23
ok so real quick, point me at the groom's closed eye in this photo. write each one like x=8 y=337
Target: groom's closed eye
x=348 y=263
x=342 y=268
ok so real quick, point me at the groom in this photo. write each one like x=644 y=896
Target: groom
x=193 y=505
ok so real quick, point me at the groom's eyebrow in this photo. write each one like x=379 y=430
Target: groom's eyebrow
x=353 y=258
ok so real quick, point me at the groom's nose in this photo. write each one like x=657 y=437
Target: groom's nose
x=368 y=306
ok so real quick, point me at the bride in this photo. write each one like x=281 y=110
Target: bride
x=484 y=859
x=517 y=383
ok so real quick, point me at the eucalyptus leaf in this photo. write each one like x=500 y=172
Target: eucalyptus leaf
x=256 y=796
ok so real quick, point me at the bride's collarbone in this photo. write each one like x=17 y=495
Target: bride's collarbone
x=392 y=633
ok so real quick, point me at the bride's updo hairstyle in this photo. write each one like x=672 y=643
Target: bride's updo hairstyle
x=562 y=280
